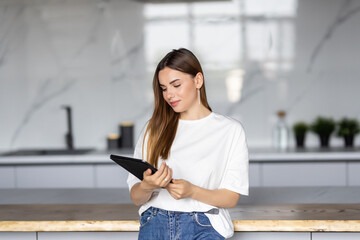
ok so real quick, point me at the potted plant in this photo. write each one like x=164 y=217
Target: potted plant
x=300 y=129
x=348 y=128
x=323 y=127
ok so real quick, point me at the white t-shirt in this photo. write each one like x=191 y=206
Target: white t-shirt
x=211 y=153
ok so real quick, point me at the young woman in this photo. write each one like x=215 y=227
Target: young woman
x=201 y=156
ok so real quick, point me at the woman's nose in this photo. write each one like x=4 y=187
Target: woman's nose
x=169 y=94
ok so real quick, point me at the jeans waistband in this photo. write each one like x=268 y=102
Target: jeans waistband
x=156 y=210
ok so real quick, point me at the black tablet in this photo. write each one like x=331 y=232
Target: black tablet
x=133 y=165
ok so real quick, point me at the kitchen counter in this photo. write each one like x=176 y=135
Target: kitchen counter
x=94 y=157
x=256 y=155
x=333 y=154
x=124 y=217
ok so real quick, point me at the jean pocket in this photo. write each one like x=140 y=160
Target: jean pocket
x=202 y=220
x=145 y=218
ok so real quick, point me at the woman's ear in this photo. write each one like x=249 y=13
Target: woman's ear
x=199 y=80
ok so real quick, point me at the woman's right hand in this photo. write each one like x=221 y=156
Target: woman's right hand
x=160 y=179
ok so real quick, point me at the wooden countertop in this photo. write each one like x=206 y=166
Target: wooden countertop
x=124 y=217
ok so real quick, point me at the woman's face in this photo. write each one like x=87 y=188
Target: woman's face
x=179 y=89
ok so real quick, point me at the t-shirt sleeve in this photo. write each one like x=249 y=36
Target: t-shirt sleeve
x=132 y=180
x=236 y=175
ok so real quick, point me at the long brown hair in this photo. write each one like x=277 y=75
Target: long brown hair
x=163 y=124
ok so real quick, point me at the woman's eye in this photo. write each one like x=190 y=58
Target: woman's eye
x=177 y=85
x=163 y=89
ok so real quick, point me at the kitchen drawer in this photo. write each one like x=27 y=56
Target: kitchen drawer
x=304 y=174
x=271 y=236
x=335 y=236
x=354 y=173
x=110 y=176
x=7 y=177
x=87 y=235
x=254 y=175
x=55 y=176
x=18 y=236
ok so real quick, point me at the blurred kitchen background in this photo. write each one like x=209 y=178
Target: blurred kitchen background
x=98 y=57
x=75 y=72
x=92 y=62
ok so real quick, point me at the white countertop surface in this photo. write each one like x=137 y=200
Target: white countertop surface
x=256 y=155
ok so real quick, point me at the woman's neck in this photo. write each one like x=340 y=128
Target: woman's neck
x=195 y=114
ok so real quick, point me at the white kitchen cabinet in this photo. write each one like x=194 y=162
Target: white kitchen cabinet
x=87 y=235
x=7 y=177
x=354 y=173
x=113 y=176
x=271 y=236
x=55 y=176
x=335 y=236
x=304 y=174
x=110 y=176
x=266 y=169
x=18 y=236
x=255 y=174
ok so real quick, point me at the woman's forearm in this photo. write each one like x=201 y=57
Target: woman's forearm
x=139 y=195
x=221 y=198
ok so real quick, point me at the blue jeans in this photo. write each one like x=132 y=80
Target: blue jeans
x=160 y=224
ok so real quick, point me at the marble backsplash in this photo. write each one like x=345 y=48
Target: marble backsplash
x=94 y=56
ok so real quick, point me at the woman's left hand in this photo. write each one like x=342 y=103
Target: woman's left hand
x=180 y=188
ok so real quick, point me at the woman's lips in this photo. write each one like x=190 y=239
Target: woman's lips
x=174 y=103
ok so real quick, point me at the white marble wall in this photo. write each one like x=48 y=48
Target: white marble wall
x=90 y=54
x=325 y=76
x=325 y=80
x=87 y=54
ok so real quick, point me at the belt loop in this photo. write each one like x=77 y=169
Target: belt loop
x=213 y=211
